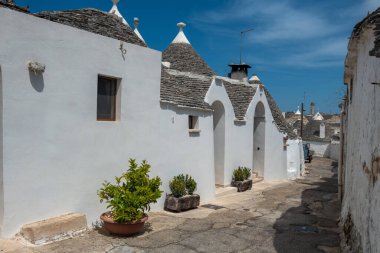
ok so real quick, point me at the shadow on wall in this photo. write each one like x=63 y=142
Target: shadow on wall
x=312 y=226
x=37 y=80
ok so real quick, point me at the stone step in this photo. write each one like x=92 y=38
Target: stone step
x=257 y=180
x=223 y=191
x=55 y=229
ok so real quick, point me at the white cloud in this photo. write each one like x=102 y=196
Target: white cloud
x=371 y=5
x=273 y=20
x=306 y=35
x=328 y=53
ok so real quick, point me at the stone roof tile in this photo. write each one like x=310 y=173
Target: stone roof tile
x=371 y=19
x=184 y=58
x=240 y=96
x=278 y=118
x=94 y=21
x=11 y=5
x=184 y=88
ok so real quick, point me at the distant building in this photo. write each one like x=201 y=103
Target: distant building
x=359 y=171
x=321 y=130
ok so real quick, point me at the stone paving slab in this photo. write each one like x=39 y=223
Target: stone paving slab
x=282 y=216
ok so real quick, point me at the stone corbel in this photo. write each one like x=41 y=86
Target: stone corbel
x=36 y=67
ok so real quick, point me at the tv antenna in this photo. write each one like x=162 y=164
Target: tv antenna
x=241 y=41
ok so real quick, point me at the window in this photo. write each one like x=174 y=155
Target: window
x=107 y=96
x=193 y=123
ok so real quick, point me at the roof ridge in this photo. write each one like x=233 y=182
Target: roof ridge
x=188 y=74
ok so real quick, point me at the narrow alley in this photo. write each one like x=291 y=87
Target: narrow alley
x=282 y=216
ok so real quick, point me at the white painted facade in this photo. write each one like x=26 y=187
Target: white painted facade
x=55 y=154
x=335 y=150
x=295 y=158
x=360 y=165
x=320 y=148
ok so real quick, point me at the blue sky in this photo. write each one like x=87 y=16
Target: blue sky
x=297 y=48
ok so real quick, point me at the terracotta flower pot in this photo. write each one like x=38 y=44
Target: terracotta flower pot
x=126 y=229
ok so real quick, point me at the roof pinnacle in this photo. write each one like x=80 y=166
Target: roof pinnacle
x=181 y=25
x=116 y=12
x=136 y=24
x=181 y=37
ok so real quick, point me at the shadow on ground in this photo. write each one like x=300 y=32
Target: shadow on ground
x=313 y=225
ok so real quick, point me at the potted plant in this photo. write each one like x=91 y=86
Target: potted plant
x=182 y=195
x=241 y=179
x=129 y=199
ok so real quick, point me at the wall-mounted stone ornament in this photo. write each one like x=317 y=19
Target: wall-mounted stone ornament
x=36 y=67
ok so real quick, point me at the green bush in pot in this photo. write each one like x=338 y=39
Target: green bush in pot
x=132 y=194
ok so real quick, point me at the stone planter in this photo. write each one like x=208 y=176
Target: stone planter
x=242 y=185
x=181 y=204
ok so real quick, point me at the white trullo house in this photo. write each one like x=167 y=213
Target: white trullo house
x=81 y=94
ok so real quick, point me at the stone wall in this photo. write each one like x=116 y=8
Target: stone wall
x=361 y=187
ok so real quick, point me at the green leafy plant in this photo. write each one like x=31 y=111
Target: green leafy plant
x=177 y=187
x=246 y=172
x=241 y=174
x=132 y=194
x=191 y=185
x=181 y=185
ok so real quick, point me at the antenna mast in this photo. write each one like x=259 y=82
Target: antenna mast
x=241 y=42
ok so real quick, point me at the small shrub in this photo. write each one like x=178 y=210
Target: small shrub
x=241 y=174
x=191 y=185
x=247 y=173
x=238 y=175
x=177 y=187
x=181 y=185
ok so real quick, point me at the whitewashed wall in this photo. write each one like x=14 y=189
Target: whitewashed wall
x=361 y=187
x=295 y=159
x=321 y=149
x=238 y=147
x=335 y=151
x=55 y=153
x=184 y=152
x=239 y=137
x=325 y=149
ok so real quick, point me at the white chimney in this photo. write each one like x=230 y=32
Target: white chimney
x=322 y=131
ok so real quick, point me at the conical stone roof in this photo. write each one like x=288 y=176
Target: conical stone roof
x=182 y=56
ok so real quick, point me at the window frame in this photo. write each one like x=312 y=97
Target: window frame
x=115 y=89
x=193 y=124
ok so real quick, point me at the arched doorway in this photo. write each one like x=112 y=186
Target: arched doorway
x=259 y=140
x=219 y=140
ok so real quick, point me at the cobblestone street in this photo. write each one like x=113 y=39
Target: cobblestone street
x=284 y=216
